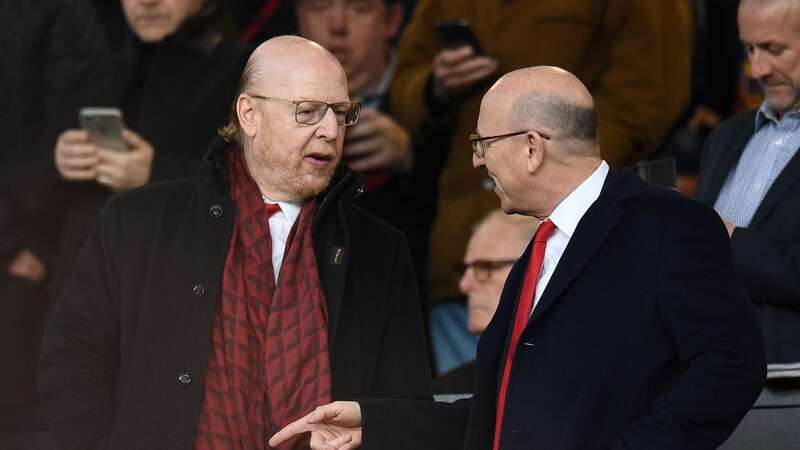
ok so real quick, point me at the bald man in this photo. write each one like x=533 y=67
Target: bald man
x=624 y=324
x=207 y=313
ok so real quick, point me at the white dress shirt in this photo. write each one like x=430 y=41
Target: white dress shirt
x=280 y=225
x=566 y=217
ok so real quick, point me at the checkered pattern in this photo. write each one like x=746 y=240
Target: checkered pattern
x=269 y=361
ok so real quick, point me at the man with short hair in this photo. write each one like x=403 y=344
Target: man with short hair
x=623 y=326
x=750 y=171
x=207 y=313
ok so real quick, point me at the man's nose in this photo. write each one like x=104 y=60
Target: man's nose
x=338 y=20
x=467 y=282
x=760 y=65
x=328 y=128
x=477 y=161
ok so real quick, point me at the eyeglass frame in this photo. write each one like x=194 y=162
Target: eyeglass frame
x=488 y=267
x=479 y=149
x=328 y=106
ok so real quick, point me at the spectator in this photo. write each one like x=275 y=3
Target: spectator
x=399 y=178
x=496 y=244
x=196 y=319
x=173 y=81
x=633 y=56
x=750 y=171
x=623 y=326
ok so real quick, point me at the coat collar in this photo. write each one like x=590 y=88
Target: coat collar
x=592 y=231
x=741 y=132
x=330 y=228
x=733 y=146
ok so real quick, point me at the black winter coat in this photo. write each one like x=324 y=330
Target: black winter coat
x=125 y=355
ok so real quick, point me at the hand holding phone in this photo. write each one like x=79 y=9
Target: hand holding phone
x=458 y=33
x=121 y=171
x=76 y=156
x=104 y=126
x=457 y=71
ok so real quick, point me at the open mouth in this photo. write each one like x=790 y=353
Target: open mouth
x=319 y=159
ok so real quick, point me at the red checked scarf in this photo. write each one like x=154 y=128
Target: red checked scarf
x=269 y=360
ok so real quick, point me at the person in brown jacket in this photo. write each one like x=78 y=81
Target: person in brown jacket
x=633 y=55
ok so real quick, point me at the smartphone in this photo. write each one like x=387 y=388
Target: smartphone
x=457 y=33
x=104 y=126
x=658 y=171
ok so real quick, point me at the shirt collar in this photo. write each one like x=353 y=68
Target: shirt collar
x=289 y=210
x=570 y=211
x=765 y=114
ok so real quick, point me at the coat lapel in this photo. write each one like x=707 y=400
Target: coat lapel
x=590 y=234
x=731 y=151
x=787 y=178
x=593 y=229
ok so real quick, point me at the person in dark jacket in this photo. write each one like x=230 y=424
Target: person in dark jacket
x=207 y=313
x=172 y=76
x=750 y=173
x=623 y=326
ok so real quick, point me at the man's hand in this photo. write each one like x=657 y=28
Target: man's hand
x=121 y=171
x=27 y=265
x=457 y=70
x=335 y=426
x=377 y=142
x=76 y=156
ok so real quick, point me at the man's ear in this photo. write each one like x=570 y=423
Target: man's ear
x=248 y=115
x=534 y=152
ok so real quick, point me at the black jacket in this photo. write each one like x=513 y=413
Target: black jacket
x=175 y=94
x=642 y=339
x=137 y=314
x=767 y=252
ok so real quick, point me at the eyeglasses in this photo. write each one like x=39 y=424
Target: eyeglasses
x=480 y=144
x=482 y=268
x=310 y=112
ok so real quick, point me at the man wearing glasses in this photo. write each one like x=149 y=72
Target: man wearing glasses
x=495 y=245
x=623 y=326
x=207 y=313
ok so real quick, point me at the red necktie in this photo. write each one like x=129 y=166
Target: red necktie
x=524 y=306
x=271 y=208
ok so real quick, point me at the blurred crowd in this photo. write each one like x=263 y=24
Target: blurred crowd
x=664 y=74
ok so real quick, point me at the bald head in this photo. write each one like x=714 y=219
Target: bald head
x=553 y=144
x=275 y=64
x=284 y=66
x=549 y=99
